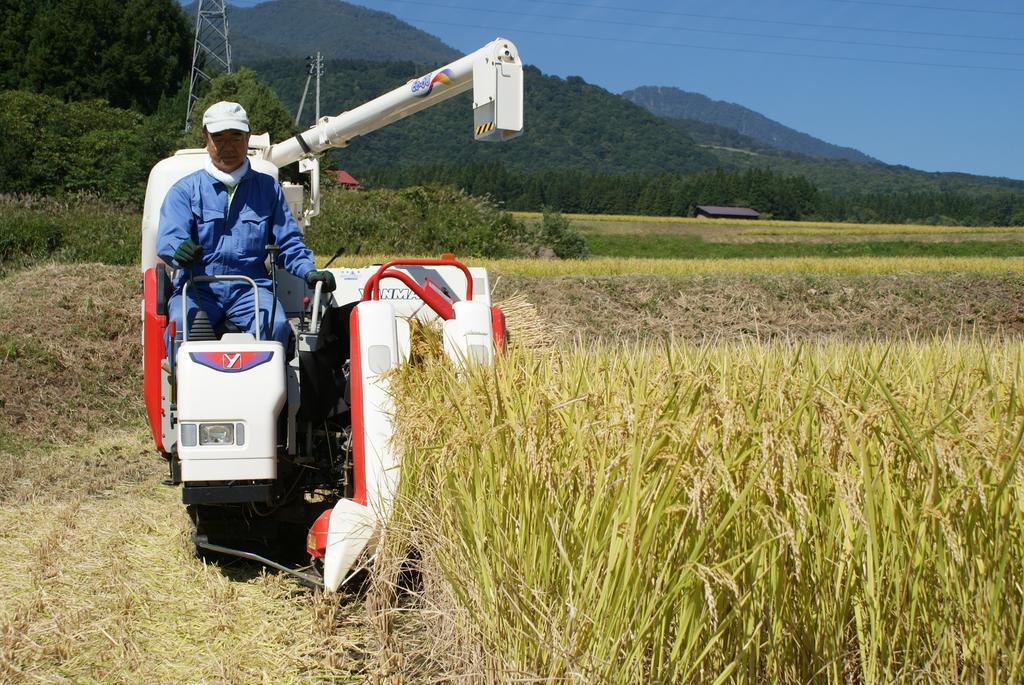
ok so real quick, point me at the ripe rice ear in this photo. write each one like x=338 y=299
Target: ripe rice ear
x=748 y=512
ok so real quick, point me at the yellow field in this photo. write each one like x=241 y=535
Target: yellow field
x=756 y=226
x=605 y=266
x=784 y=513
x=883 y=229
x=612 y=266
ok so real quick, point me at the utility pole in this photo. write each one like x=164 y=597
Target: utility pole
x=319 y=73
x=212 y=50
x=314 y=67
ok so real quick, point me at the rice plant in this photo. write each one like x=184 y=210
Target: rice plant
x=785 y=512
x=788 y=227
x=845 y=266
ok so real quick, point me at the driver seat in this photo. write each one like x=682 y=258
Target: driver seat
x=201 y=328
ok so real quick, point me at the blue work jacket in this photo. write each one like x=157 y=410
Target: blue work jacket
x=233 y=241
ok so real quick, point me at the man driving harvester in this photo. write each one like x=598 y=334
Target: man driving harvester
x=219 y=221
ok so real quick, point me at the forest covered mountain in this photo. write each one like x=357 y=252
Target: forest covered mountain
x=339 y=30
x=685 y=107
x=573 y=125
x=570 y=124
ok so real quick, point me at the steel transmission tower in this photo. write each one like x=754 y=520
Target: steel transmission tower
x=212 y=51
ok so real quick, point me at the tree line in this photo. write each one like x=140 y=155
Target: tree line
x=130 y=53
x=92 y=94
x=774 y=194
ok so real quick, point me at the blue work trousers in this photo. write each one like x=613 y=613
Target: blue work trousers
x=233 y=300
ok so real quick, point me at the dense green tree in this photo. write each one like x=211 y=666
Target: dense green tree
x=266 y=113
x=128 y=52
x=50 y=147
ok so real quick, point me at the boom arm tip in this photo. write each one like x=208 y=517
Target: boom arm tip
x=494 y=72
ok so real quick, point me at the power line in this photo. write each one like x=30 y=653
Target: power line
x=842 y=27
x=777 y=53
x=835 y=41
x=932 y=7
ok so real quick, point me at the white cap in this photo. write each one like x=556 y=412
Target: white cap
x=224 y=116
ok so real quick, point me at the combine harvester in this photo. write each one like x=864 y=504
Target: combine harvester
x=280 y=451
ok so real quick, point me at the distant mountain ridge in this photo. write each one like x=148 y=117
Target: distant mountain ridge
x=677 y=104
x=570 y=124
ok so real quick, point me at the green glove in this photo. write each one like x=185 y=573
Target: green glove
x=325 y=277
x=187 y=253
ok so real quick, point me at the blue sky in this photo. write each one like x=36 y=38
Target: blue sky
x=932 y=84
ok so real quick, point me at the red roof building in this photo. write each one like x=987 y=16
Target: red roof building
x=712 y=212
x=344 y=179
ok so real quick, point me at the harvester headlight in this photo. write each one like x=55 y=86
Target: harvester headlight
x=216 y=434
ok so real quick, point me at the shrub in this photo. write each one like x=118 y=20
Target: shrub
x=81 y=229
x=23 y=238
x=558 y=234
x=421 y=220
x=50 y=147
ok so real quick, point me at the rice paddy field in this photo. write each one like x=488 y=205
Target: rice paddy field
x=659 y=237
x=785 y=512
x=728 y=470
x=640 y=225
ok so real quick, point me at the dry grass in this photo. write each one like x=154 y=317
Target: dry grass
x=70 y=356
x=99 y=585
x=92 y=467
x=708 y=308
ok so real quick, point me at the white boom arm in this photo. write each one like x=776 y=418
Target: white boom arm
x=494 y=71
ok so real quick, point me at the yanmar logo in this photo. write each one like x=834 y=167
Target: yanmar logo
x=422 y=87
x=230 y=362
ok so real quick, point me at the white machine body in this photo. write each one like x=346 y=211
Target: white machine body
x=230 y=392
x=468 y=338
x=382 y=343
x=406 y=303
